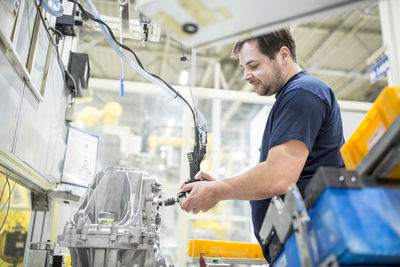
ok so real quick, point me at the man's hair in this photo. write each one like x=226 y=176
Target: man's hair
x=270 y=44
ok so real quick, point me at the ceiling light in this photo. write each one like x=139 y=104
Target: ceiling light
x=184 y=77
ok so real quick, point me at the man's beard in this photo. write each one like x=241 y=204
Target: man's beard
x=274 y=85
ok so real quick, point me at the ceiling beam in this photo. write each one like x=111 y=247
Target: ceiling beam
x=206 y=93
x=338 y=29
x=325 y=46
x=324 y=41
x=148 y=52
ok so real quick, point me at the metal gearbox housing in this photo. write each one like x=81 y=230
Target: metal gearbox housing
x=118 y=221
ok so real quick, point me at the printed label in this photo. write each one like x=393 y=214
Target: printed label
x=375 y=136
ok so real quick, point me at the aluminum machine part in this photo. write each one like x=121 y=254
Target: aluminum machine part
x=281 y=220
x=117 y=223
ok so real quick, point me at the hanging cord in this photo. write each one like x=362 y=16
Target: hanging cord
x=8 y=202
x=198 y=119
x=111 y=34
x=190 y=73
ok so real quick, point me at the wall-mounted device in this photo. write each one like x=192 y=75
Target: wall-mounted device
x=70 y=19
x=79 y=68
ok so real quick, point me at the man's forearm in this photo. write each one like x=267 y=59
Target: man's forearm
x=254 y=184
x=269 y=178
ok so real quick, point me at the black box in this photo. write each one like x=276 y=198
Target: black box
x=79 y=68
x=66 y=23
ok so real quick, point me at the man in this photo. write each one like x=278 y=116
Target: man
x=303 y=131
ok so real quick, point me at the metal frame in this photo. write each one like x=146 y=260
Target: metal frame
x=13 y=56
x=284 y=218
x=385 y=155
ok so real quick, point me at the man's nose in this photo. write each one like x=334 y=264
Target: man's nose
x=246 y=75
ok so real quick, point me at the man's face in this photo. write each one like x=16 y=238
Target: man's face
x=264 y=74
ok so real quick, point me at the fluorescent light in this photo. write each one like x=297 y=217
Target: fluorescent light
x=184 y=77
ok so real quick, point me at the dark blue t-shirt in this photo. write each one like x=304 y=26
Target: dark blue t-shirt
x=306 y=110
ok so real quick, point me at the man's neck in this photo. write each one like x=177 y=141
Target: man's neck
x=292 y=70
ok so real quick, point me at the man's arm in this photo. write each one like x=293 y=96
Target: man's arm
x=265 y=180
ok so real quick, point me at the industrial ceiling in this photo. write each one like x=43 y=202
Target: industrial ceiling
x=338 y=48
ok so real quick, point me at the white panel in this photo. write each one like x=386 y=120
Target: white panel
x=42 y=130
x=10 y=92
x=351 y=120
x=390 y=21
x=24 y=30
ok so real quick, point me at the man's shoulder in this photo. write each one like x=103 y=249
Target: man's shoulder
x=312 y=85
x=309 y=82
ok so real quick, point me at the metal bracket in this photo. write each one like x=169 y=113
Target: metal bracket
x=66 y=195
x=281 y=220
x=40 y=201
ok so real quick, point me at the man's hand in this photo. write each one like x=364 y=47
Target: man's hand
x=202 y=194
x=200 y=176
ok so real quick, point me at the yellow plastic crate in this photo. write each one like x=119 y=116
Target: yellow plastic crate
x=225 y=249
x=384 y=111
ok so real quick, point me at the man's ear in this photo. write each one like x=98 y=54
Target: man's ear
x=284 y=53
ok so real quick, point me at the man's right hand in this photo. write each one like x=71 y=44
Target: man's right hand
x=200 y=176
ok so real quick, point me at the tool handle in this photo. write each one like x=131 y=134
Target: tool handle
x=194 y=165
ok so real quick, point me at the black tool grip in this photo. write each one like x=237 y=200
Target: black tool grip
x=194 y=169
x=194 y=165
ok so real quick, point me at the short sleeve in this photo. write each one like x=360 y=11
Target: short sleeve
x=299 y=116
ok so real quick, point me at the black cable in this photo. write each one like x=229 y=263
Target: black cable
x=196 y=146
x=12 y=190
x=183 y=53
x=190 y=72
x=6 y=175
x=43 y=21
x=92 y=17
x=2 y=192
x=59 y=37
x=9 y=200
